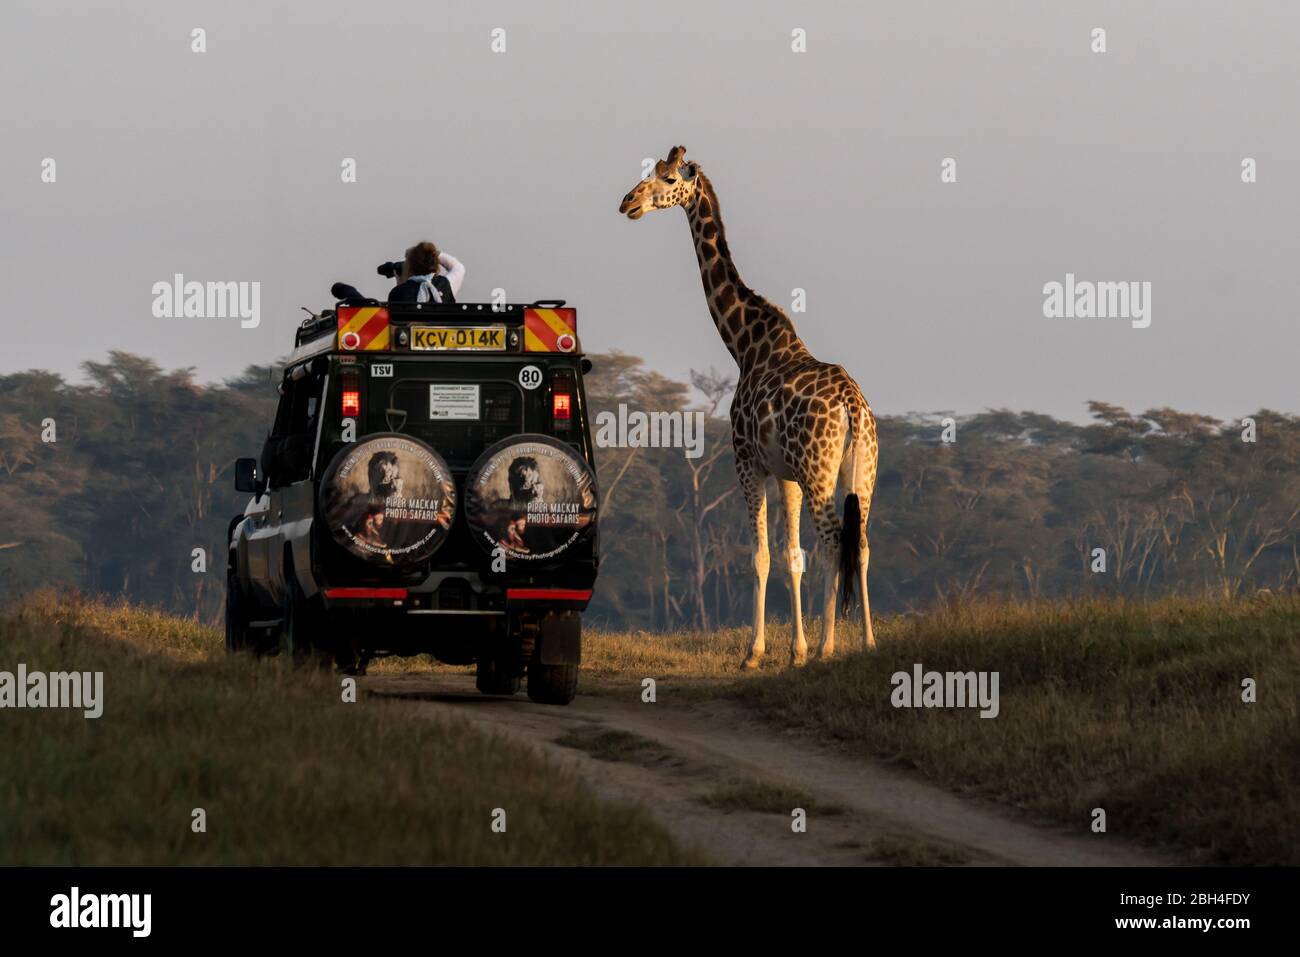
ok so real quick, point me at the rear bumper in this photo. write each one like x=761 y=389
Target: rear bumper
x=460 y=594
x=566 y=598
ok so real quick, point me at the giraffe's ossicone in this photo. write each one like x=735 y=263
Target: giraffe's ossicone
x=794 y=419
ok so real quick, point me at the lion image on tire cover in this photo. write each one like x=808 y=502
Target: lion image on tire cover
x=531 y=500
x=389 y=500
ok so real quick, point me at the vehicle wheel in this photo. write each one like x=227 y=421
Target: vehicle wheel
x=552 y=684
x=491 y=678
x=237 y=638
x=302 y=629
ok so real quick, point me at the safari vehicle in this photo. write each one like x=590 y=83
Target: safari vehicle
x=427 y=487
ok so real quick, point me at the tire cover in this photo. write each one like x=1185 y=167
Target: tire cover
x=389 y=499
x=531 y=495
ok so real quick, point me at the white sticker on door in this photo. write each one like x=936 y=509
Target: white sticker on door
x=453 y=401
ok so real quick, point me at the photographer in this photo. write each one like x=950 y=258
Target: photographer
x=428 y=276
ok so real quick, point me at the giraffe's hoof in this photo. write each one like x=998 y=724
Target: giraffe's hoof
x=749 y=664
x=799 y=660
x=825 y=654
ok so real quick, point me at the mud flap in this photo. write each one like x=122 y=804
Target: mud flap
x=561 y=638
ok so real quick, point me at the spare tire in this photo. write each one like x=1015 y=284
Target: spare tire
x=389 y=499
x=532 y=496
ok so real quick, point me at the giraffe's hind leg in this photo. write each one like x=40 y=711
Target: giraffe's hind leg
x=868 y=635
x=755 y=490
x=862 y=481
x=792 y=501
x=864 y=558
x=822 y=507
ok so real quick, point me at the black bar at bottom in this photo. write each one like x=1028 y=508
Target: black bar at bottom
x=335 y=905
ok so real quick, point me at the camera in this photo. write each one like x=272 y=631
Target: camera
x=389 y=270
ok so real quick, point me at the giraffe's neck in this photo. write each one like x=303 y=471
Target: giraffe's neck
x=755 y=332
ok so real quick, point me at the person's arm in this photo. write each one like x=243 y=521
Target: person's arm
x=454 y=270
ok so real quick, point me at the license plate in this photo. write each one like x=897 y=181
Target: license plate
x=458 y=338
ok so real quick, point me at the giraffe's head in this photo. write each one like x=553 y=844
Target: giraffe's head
x=672 y=183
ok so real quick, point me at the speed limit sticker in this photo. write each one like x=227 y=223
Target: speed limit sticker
x=530 y=377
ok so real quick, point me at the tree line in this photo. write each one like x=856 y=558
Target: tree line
x=110 y=484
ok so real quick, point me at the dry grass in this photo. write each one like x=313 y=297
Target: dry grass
x=770 y=797
x=1134 y=709
x=909 y=851
x=286 y=772
x=613 y=745
x=692 y=662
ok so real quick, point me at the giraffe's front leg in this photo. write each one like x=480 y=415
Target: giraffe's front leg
x=759 y=644
x=756 y=498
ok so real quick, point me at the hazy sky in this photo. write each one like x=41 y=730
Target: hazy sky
x=1122 y=166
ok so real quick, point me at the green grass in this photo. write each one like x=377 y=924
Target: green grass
x=1134 y=709
x=286 y=772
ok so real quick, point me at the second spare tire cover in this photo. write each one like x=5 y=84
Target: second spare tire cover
x=389 y=499
x=531 y=495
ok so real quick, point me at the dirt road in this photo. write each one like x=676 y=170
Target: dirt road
x=726 y=784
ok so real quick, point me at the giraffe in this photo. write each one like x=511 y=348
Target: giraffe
x=794 y=419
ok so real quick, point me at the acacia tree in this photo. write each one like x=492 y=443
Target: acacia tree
x=140 y=475
x=706 y=489
x=42 y=481
x=1243 y=500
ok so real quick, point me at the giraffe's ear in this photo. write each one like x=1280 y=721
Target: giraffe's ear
x=689 y=170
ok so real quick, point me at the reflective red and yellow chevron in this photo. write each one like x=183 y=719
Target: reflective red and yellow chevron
x=550 y=330
x=363 y=329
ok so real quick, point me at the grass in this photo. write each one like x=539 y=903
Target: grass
x=286 y=772
x=686 y=663
x=1134 y=709
x=907 y=851
x=768 y=797
x=611 y=745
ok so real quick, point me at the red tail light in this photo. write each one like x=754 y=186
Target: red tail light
x=562 y=400
x=351 y=405
x=561 y=407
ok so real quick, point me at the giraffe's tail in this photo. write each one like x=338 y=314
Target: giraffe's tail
x=850 y=552
x=851 y=530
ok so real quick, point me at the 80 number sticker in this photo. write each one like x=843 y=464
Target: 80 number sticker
x=530 y=377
